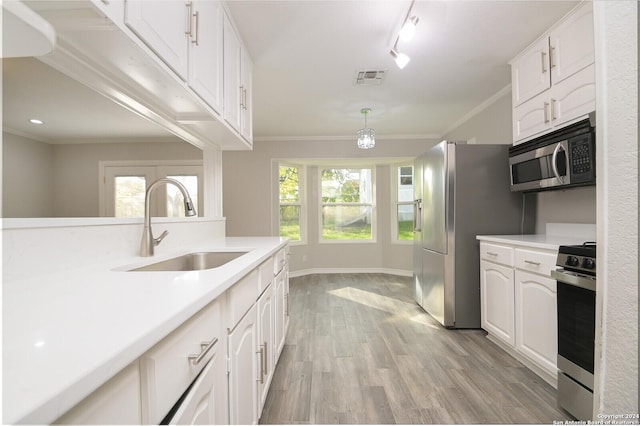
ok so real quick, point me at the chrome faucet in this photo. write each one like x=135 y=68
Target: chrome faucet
x=148 y=242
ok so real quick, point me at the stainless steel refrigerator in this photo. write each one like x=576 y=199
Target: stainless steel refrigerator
x=460 y=190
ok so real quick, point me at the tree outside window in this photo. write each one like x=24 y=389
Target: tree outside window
x=290 y=202
x=347 y=204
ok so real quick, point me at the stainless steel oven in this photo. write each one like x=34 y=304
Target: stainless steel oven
x=576 y=292
x=558 y=160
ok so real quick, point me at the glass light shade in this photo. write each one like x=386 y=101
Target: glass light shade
x=402 y=60
x=366 y=138
x=408 y=30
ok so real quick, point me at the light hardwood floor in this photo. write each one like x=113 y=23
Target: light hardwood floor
x=359 y=350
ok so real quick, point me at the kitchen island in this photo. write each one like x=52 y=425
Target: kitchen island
x=67 y=333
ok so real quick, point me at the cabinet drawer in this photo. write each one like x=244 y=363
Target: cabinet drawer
x=497 y=253
x=171 y=366
x=541 y=262
x=241 y=297
x=265 y=274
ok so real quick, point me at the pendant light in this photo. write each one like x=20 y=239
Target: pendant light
x=366 y=136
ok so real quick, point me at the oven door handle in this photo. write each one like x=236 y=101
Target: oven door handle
x=582 y=281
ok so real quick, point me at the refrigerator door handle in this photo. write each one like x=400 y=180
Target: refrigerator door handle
x=417 y=215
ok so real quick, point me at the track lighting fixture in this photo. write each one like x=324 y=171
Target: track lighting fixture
x=407 y=31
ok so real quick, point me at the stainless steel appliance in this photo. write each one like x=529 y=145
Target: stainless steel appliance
x=460 y=191
x=576 y=278
x=558 y=160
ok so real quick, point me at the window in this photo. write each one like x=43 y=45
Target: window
x=347 y=204
x=124 y=183
x=403 y=213
x=290 y=199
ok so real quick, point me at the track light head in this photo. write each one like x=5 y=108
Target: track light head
x=401 y=59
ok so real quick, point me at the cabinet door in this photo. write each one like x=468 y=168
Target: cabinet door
x=532 y=117
x=574 y=97
x=243 y=353
x=530 y=73
x=496 y=298
x=266 y=317
x=572 y=46
x=536 y=321
x=232 y=52
x=205 y=56
x=281 y=313
x=206 y=403
x=163 y=26
x=246 y=86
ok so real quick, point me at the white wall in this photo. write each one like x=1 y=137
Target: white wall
x=616 y=371
x=250 y=202
x=27 y=169
x=42 y=180
x=490 y=125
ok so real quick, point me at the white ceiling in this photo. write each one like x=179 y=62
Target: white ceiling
x=306 y=55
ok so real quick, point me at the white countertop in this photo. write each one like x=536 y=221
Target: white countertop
x=66 y=334
x=541 y=241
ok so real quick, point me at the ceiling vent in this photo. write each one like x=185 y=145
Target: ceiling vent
x=369 y=77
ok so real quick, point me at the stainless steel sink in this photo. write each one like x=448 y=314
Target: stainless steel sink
x=193 y=261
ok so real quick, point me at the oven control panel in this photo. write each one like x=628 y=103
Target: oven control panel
x=577 y=263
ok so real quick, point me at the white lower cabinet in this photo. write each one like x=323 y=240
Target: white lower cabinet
x=496 y=298
x=281 y=310
x=215 y=368
x=206 y=401
x=518 y=304
x=536 y=322
x=243 y=370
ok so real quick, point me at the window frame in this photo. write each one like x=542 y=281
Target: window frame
x=395 y=195
x=152 y=170
x=302 y=200
x=321 y=204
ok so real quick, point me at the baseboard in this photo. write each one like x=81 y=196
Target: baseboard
x=301 y=273
x=543 y=374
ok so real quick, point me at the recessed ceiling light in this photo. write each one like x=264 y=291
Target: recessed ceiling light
x=36 y=121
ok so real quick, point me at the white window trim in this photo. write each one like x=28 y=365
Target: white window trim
x=161 y=166
x=302 y=186
x=374 y=216
x=394 y=205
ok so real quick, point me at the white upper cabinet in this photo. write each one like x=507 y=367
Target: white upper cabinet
x=162 y=25
x=530 y=74
x=232 y=95
x=553 y=80
x=238 y=76
x=187 y=36
x=206 y=55
x=571 y=44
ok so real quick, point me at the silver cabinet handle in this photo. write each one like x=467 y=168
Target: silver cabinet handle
x=261 y=363
x=206 y=347
x=189 y=28
x=197 y=16
x=543 y=56
x=492 y=254
x=551 y=55
x=546 y=117
x=553 y=109
x=265 y=359
x=241 y=97
x=531 y=262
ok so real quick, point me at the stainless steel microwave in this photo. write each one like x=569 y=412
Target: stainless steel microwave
x=557 y=160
